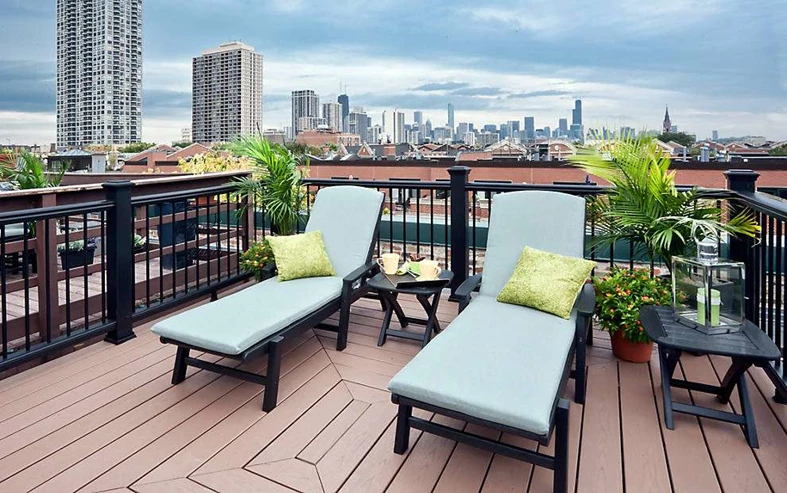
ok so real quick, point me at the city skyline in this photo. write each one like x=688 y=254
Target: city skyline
x=488 y=81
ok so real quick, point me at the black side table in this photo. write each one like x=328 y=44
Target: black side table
x=389 y=294
x=749 y=347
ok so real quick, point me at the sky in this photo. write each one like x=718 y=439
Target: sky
x=718 y=64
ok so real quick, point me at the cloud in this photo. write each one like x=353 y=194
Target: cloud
x=478 y=91
x=440 y=86
x=27 y=86
x=537 y=94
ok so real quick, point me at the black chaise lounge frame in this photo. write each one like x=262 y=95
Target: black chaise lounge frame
x=353 y=287
x=559 y=418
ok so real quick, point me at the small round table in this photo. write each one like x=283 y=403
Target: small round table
x=428 y=296
x=749 y=347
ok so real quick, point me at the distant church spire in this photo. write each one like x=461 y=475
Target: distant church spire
x=667 y=122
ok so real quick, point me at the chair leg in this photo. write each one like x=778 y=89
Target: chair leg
x=272 y=377
x=402 y=440
x=560 y=484
x=344 y=323
x=179 y=372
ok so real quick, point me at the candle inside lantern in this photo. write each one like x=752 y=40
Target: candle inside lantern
x=715 y=306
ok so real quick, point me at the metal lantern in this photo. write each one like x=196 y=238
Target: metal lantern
x=708 y=295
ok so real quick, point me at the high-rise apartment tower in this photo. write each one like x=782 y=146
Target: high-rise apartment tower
x=226 y=98
x=99 y=72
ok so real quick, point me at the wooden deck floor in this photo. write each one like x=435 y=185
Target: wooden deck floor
x=107 y=418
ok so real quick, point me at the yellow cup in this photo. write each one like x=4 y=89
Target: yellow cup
x=430 y=269
x=390 y=262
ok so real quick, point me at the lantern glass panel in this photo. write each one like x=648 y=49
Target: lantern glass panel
x=708 y=297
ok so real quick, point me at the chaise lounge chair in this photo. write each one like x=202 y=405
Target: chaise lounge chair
x=501 y=365
x=256 y=320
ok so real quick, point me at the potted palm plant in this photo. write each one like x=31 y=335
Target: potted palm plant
x=276 y=183
x=645 y=208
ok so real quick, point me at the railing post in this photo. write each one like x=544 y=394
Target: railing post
x=459 y=222
x=119 y=250
x=743 y=181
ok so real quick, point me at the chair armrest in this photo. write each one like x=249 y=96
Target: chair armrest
x=586 y=302
x=366 y=270
x=465 y=290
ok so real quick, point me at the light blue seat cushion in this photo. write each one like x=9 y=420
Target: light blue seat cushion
x=498 y=362
x=347 y=216
x=14 y=230
x=233 y=324
x=549 y=221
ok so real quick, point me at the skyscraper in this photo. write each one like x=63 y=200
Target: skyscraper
x=332 y=113
x=576 y=114
x=305 y=103
x=418 y=117
x=226 y=96
x=530 y=127
x=451 y=116
x=715 y=135
x=358 y=123
x=99 y=72
x=344 y=100
x=562 y=126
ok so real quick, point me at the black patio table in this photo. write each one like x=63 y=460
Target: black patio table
x=749 y=347
x=388 y=296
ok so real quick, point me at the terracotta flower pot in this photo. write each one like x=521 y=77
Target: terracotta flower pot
x=635 y=352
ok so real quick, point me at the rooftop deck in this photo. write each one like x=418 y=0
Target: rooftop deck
x=107 y=418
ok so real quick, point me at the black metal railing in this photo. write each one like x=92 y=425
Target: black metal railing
x=194 y=239
x=765 y=266
x=58 y=298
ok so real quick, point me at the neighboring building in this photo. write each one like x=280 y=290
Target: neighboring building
x=305 y=103
x=451 y=116
x=667 y=125
x=485 y=138
x=490 y=128
x=274 y=136
x=309 y=123
x=321 y=137
x=99 y=72
x=418 y=118
x=513 y=129
x=627 y=133
x=332 y=114
x=344 y=100
x=715 y=137
x=530 y=127
x=185 y=134
x=462 y=130
x=227 y=93
x=393 y=127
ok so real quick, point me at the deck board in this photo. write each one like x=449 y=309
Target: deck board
x=107 y=418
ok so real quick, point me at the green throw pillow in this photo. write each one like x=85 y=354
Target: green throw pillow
x=301 y=256
x=546 y=281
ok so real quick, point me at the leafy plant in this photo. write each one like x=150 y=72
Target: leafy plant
x=645 y=207
x=213 y=162
x=30 y=172
x=256 y=258
x=139 y=241
x=77 y=245
x=619 y=296
x=276 y=181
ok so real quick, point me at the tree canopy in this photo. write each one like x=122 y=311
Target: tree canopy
x=681 y=138
x=137 y=147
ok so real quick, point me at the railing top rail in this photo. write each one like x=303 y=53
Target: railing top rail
x=186 y=194
x=139 y=183
x=327 y=182
x=765 y=203
x=43 y=213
